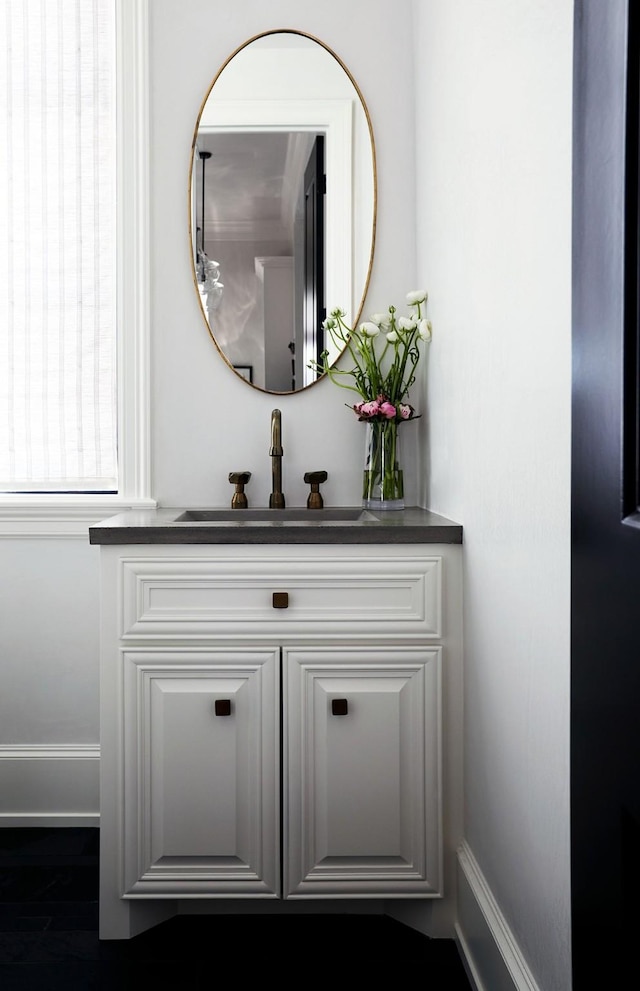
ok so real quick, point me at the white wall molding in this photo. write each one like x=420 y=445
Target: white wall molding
x=57 y=516
x=491 y=953
x=55 y=751
x=133 y=239
x=56 y=785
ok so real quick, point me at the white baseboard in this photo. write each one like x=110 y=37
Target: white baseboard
x=490 y=952
x=50 y=785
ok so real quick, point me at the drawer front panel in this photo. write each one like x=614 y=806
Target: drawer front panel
x=389 y=596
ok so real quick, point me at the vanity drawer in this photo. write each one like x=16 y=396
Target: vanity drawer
x=391 y=596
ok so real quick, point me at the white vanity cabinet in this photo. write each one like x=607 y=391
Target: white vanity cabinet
x=272 y=723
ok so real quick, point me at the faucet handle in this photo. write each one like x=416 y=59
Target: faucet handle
x=314 y=478
x=239 y=479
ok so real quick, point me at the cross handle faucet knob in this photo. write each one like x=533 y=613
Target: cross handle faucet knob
x=314 y=478
x=239 y=479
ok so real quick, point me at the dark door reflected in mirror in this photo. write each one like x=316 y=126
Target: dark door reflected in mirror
x=314 y=302
x=283 y=203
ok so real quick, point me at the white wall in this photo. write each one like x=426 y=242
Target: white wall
x=494 y=89
x=49 y=613
x=206 y=422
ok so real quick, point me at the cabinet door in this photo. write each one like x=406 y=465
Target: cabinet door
x=201 y=772
x=361 y=767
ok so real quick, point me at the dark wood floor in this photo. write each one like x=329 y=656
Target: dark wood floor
x=49 y=936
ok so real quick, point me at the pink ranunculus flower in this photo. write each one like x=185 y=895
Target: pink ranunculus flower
x=406 y=411
x=388 y=409
x=371 y=408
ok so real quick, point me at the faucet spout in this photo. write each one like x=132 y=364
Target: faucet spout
x=275 y=451
x=276 y=499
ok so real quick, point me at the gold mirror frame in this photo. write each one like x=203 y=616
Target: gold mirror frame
x=367 y=278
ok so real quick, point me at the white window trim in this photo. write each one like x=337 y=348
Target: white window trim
x=55 y=515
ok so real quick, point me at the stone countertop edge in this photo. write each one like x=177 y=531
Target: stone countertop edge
x=157 y=526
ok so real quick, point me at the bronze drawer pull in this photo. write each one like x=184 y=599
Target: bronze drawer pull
x=223 y=707
x=280 y=600
x=339 y=707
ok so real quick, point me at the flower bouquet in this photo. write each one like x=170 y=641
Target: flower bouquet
x=385 y=351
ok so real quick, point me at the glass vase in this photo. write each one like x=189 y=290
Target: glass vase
x=383 y=486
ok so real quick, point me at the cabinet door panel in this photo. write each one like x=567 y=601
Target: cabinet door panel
x=196 y=775
x=200 y=788
x=363 y=808
x=356 y=763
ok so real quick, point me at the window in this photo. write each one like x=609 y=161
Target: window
x=74 y=281
x=57 y=249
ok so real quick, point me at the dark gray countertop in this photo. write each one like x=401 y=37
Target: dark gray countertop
x=160 y=526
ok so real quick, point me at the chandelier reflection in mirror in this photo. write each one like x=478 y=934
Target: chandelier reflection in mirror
x=207 y=271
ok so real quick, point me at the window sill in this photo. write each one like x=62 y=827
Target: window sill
x=60 y=515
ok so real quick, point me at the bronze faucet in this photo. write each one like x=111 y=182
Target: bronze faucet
x=276 y=499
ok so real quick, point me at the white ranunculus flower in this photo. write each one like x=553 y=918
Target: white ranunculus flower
x=381 y=320
x=416 y=296
x=385 y=348
x=407 y=323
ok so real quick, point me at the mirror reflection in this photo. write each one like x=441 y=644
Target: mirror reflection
x=283 y=199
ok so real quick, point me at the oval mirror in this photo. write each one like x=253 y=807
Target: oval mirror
x=282 y=206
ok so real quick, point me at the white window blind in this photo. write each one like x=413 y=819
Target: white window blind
x=57 y=246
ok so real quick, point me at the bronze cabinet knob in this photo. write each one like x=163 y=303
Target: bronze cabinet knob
x=280 y=600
